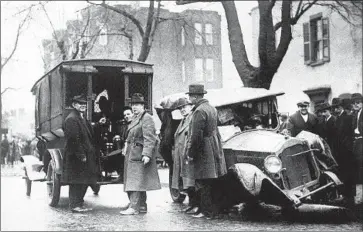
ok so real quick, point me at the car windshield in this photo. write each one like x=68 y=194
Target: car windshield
x=256 y=114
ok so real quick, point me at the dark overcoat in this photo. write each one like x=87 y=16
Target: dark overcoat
x=204 y=144
x=343 y=145
x=141 y=141
x=180 y=169
x=78 y=133
x=358 y=146
x=329 y=130
x=296 y=124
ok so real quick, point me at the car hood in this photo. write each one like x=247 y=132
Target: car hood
x=257 y=140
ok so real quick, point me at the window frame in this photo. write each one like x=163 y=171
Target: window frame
x=198 y=35
x=206 y=70
x=311 y=37
x=202 y=70
x=209 y=35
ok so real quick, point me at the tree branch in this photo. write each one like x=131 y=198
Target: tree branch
x=82 y=35
x=124 y=13
x=8 y=88
x=144 y=51
x=298 y=14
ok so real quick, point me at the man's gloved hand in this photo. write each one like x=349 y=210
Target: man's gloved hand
x=145 y=159
x=102 y=120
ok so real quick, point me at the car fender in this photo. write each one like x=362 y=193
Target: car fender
x=33 y=168
x=259 y=185
x=333 y=177
x=57 y=157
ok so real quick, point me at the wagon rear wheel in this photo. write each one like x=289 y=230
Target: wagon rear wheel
x=53 y=185
x=175 y=193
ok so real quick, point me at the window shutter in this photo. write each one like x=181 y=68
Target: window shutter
x=326 y=40
x=306 y=32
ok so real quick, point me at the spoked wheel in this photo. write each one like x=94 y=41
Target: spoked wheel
x=53 y=185
x=175 y=193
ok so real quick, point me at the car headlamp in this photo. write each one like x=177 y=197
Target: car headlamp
x=273 y=164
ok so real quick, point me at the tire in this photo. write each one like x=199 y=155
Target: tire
x=96 y=188
x=175 y=194
x=53 y=185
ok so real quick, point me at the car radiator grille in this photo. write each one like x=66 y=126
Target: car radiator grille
x=298 y=166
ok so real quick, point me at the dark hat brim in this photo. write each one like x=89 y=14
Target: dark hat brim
x=140 y=102
x=204 y=92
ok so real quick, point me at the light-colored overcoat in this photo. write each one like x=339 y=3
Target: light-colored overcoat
x=141 y=141
x=180 y=169
x=204 y=144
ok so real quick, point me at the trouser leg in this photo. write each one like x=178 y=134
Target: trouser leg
x=193 y=197
x=135 y=200
x=143 y=198
x=76 y=194
x=207 y=205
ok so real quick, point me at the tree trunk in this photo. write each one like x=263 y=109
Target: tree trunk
x=145 y=48
x=245 y=70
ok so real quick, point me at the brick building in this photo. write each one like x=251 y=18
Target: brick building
x=324 y=59
x=186 y=47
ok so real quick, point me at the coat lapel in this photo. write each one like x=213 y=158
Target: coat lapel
x=135 y=121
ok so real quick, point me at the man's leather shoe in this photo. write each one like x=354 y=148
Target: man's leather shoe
x=130 y=211
x=143 y=209
x=199 y=215
x=80 y=209
x=125 y=207
x=194 y=210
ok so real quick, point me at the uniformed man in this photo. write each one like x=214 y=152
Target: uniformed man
x=329 y=130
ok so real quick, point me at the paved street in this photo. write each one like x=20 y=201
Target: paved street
x=19 y=212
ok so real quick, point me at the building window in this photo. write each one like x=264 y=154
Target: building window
x=182 y=36
x=103 y=37
x=209 y=34
x=198 y=33
x=209 y=69
x=316 y=40
x=183 y=72
x=198 y=71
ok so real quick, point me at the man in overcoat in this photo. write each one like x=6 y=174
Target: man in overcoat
x=343 y=146
x=80 y=160
x=302 y=120
x=140 y=168
x=329 y=129
x=180 y=167
x=204 y=149
x=358 y=133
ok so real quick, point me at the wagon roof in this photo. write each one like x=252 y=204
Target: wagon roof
x=93 y=62
x=226 y=96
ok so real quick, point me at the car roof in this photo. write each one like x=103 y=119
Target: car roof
x=225 y=96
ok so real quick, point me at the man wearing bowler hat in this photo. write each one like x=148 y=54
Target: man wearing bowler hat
x=302 y=120
x=358 y=130
x=204 y=149
x=80 y=159
x=343 y=145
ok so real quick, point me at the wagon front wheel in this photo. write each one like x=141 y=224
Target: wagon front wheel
x=53 y=185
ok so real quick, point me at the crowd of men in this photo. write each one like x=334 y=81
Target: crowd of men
x=340 y=125
x=12 y=150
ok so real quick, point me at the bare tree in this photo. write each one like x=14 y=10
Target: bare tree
x=270 y=55
x=5 y=60
x=146 y=31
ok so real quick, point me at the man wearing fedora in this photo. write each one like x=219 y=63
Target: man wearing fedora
x=302 y=120
x=343 y=145
x=182 y=170
x=358 y=130
x=80 y=159
x=204 y=149
x=140 y=168
x=329 y=130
